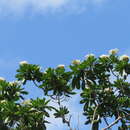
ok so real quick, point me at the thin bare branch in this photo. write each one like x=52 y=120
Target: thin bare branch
x=106 y=121
x=113 y=123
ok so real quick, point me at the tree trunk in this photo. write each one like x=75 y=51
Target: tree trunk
x=95 y=126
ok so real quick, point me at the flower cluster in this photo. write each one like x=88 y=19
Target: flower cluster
x=27 y=102
x=23 y=62
x=89 y=55
x=76 y=62
x=104 y=56
x=61 y=66
x=108 y=90
x=113 y=51
x=3 y=101
x=2 y=79
x=14 y=83
x=124 y=57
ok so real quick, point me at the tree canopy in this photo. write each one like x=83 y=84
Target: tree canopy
x=103 y=83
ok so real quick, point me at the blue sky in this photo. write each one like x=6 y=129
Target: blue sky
x=52 y=32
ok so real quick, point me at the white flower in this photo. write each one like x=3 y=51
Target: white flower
x=124 y=57
x=2 y=79
x=23 y=62
x=3 y=101
x=89 y=55
x=14 y=83
x=26 y=102
x=44 y=72
x=108 y=90
x=61 y=66
x=17 y=105
x=32 y=109
x=104 y=56
x=6 y=120
x=17 y=93
x=124 y=73
x=76 y=62
x=87 y=86
x=11 y=83
x=113 y=51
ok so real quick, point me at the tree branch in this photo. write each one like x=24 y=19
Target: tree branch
x=113 y=123
x=94 y=114
x=35 y=84
x=105 y=121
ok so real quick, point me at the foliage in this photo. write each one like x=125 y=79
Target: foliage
x=103 y=84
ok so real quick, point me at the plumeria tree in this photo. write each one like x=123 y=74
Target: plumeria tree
x=103 y=84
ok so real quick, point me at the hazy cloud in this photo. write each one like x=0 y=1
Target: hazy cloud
x=43 y=6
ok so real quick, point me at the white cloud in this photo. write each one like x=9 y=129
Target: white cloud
x=43 y=6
